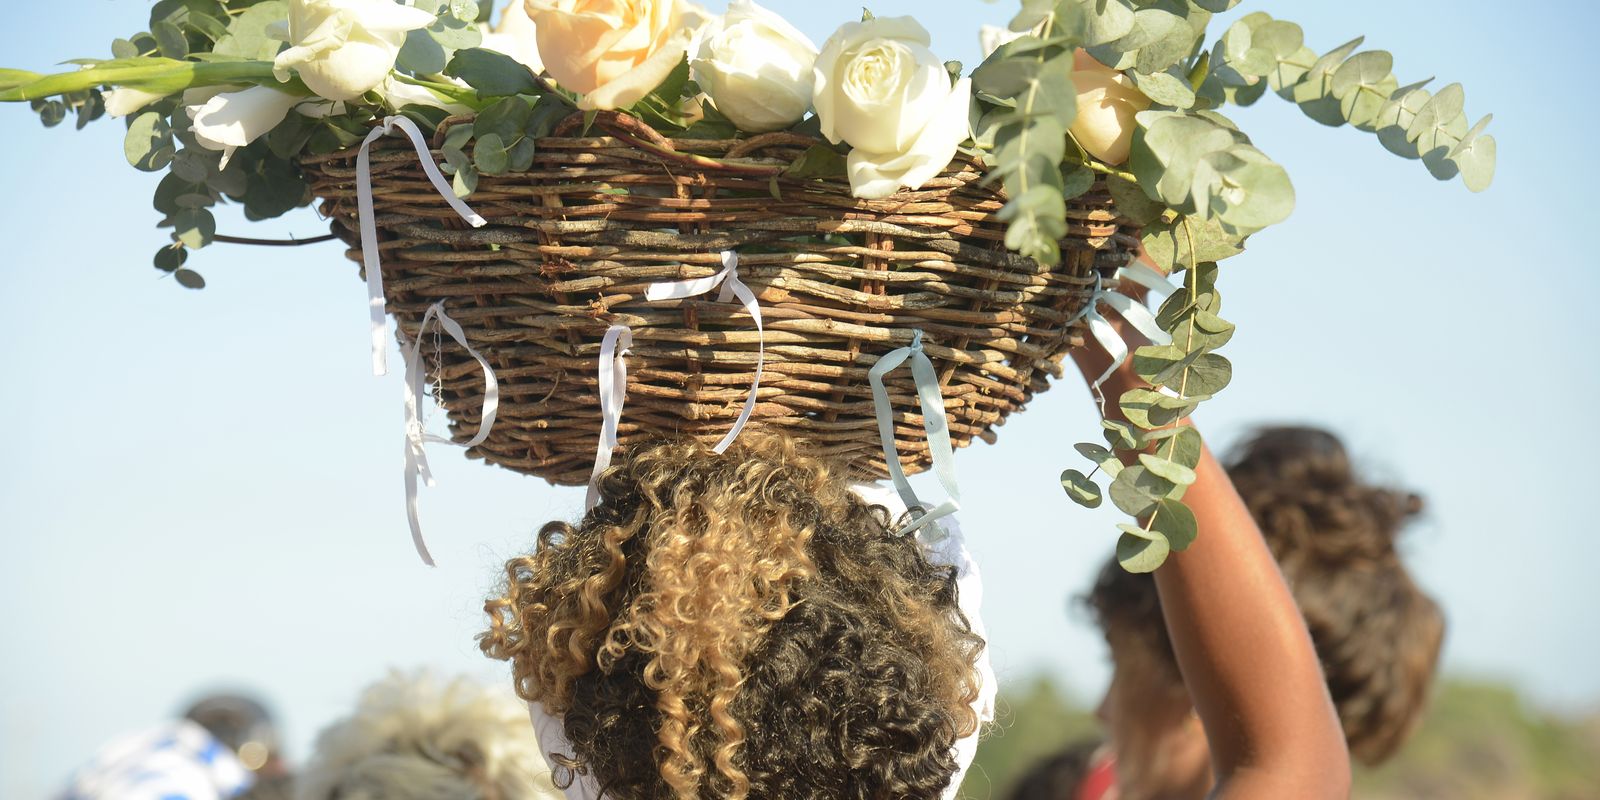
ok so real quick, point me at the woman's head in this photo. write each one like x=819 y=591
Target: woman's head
x=414 y=737
x=1334 y=535
x=740 y=625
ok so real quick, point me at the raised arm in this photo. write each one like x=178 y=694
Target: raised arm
x=1241 y=643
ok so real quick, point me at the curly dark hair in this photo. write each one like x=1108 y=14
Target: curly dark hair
x=1378 y=635
x=741 y=626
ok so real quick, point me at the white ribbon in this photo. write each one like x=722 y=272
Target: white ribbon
x=934 y=423
x=416 y=436
x=732 y=288
x=370 y=258
x=613 y=395
x=1136 y=313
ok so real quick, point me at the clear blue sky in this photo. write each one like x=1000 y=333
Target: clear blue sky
x=204 y=489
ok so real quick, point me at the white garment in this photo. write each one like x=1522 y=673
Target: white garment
x=177 y=761
x=946 y=547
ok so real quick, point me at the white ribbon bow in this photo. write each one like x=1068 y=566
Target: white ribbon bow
x=1131 y=310
x=614 y=367
x=416 y=436
x=732 y=288
x=934 y=423
x=613 y=395
x=370 y=258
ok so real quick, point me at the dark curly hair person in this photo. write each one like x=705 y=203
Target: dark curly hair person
x=1376 y=633
x=740 y=625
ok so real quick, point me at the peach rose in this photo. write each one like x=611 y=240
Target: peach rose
x=1107 y=101
x=613 y=52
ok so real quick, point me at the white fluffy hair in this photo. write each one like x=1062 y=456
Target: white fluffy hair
x=414 y=737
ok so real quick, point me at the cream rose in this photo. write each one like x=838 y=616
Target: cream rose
x=1107 y=102
x=613 y=52
x=343 y=49
x=227 y=121
x=756 y=68
x=881 y=90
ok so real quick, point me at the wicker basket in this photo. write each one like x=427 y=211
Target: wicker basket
x=573 y=243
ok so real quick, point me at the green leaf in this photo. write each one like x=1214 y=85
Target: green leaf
x=122 y=48
x=247 y=35
x=1165 y=88
x=1397 y=114
x=171 y=258
x=818 y=161
x=1094 y=22
x=1439 y=112
x=1475 y=157
x=1175 y=523
x=171 y=39
x=194 y=227
x=464 y=10
x=492 y=74
x=1132 y=202
x=189 y=279
x=1181 y=444
x=1255 y=191
x=148 y=144
x=505 y=119
x=1365 y=69
x=1120 y=435
x=489 y=155
x=1106 y=460
x=1141 y=552
x=1136 y=490
x=1076 y=181
x=422 y=54
x=1312 y=92
x=1209 y=374
x=1216 y=6
x=1168 y=243
x=1170 y=470
x=1083 y=491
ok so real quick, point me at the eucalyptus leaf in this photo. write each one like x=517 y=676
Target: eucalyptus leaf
x=1120 y=435
x=1170 y=470
x=1141 y=554
x=148 y=144
x=1440 y=111
x=1083 y=491
x=1136 y=490
x=194 y=227
x=1181 y=444
x=1175 y=523
x=189 y=279
x=1105 y=459
x=171 y=258
x=1165 y=89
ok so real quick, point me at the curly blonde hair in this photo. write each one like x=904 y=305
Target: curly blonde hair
x=740 y=625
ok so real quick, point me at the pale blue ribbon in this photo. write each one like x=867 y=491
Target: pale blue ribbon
x=934 y=423
x=1129 y=309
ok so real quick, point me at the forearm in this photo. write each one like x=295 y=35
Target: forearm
x=1241 y=643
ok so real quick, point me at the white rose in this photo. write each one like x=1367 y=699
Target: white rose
x=399 y=94
x=228 y=121
x=515 y=36
x=343 y=49
x=880 y=89
x=613 y=52
x=757 y=68
x=122 y=101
